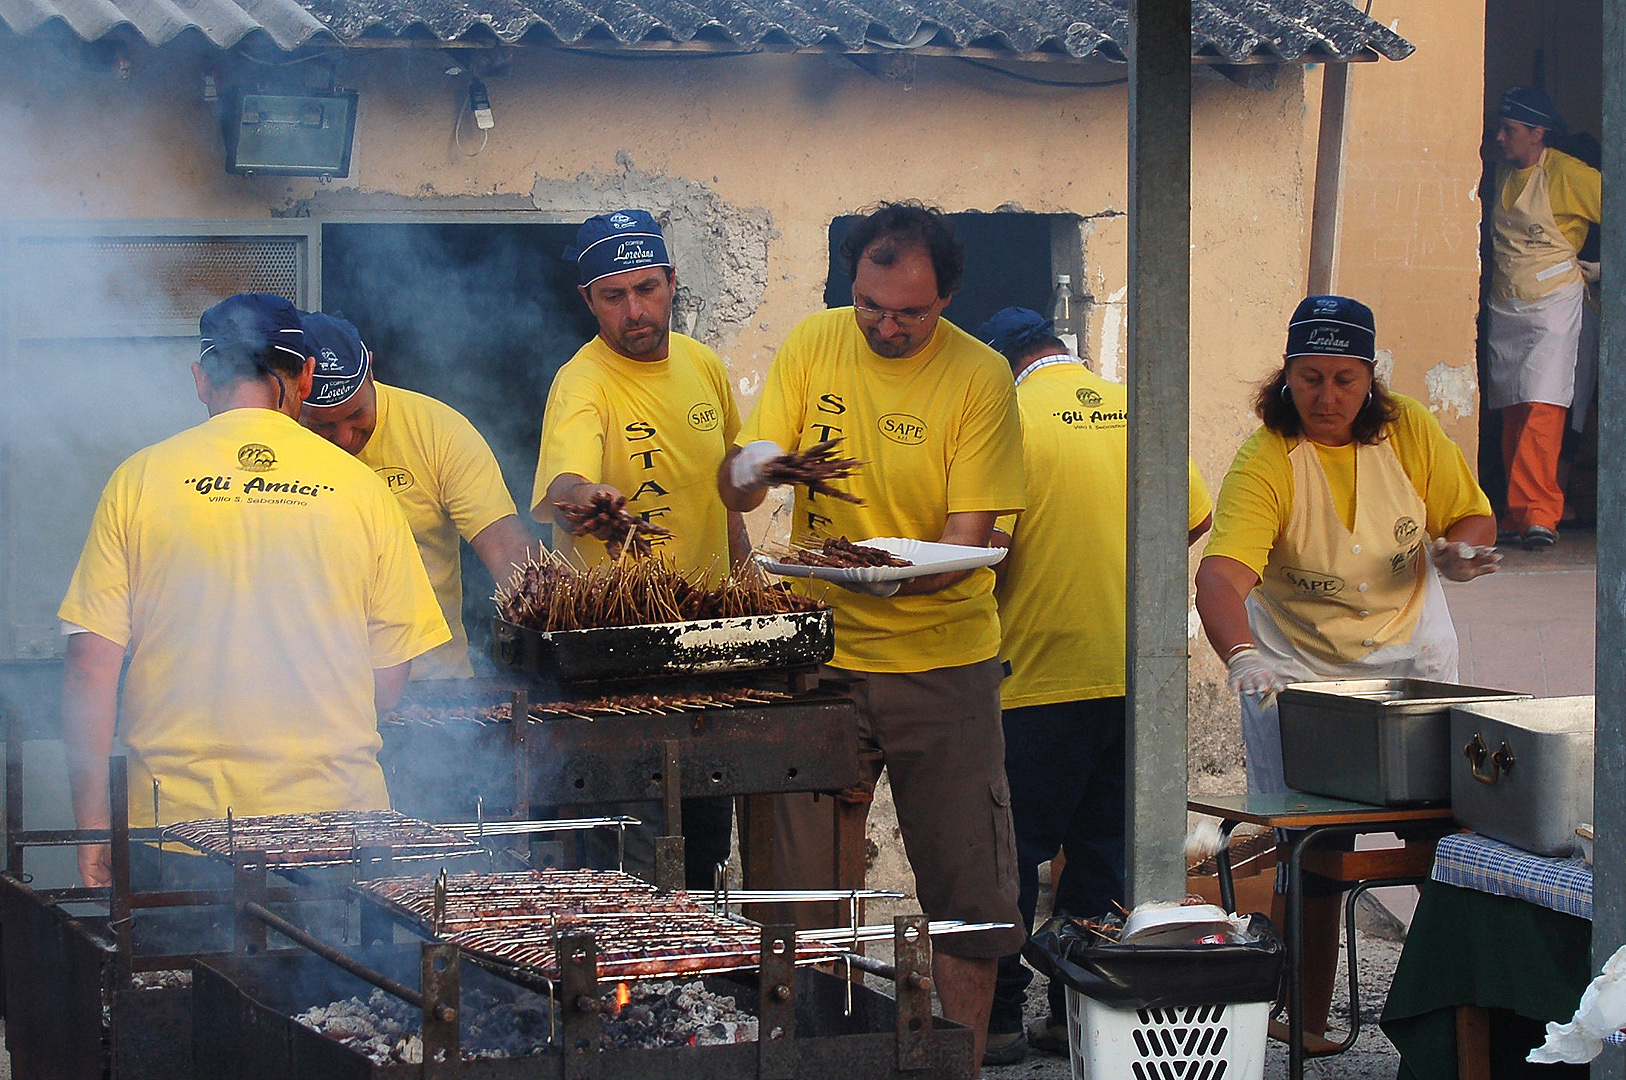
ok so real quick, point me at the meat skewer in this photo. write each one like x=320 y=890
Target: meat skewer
x=813 y=467
x=606 y=517
x=841 y=553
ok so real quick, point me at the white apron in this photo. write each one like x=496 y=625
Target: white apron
x=1311 y=616
x=1534 y=311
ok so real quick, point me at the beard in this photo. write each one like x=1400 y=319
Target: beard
x=891 y=348
x=643 y=344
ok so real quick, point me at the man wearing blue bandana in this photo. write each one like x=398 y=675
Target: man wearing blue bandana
x=267 y=593
x=1545 y=200
x=442 y=471
x=1062 y=594
x=643 y=416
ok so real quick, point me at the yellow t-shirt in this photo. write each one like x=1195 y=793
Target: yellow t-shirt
x=656 y=431
x=256 y=575
x=1063 y=590
x=1574 y=188
x=449 y=484
x=939 y=433
x=1257 y=496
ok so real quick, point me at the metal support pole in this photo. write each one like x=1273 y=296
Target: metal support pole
x=1609 y=776
x=1326 y=208
x=1159 y=394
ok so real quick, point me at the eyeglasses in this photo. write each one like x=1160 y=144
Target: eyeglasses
x=902 y=318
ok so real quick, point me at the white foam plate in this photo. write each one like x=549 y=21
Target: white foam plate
x=928 y=558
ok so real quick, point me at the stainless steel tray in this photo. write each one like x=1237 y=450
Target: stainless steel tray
x=708 y=646
x=1521 y=772
x=1380 y=741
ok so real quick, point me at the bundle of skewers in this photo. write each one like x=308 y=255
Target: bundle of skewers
x=550 y=594
x=841 y=553
x=605 y=517
x=814 y=467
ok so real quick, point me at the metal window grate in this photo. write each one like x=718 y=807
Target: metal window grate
x=74 y=286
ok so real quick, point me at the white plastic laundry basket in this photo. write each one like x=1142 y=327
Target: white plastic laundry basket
x=1181 y=1042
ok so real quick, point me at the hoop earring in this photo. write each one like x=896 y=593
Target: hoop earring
x=1287 y=395
x=1369 y=397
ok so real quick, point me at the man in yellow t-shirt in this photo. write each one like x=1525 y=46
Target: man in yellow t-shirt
x=267 y=592
x=1062 y=595
x=1545 y=201
x=644 y=415
x=932 y=412
x=440 y=469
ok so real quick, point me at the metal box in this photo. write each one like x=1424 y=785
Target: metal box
x=1380 y=741
x=1521 y=771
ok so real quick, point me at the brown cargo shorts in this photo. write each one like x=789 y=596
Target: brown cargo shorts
x=938 y=735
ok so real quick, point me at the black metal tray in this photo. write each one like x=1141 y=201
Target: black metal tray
x=664 y=650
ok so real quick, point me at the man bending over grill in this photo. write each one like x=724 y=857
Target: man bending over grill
x=445 y=476
x=933 y=413
x=267 y=592
x=644 y=415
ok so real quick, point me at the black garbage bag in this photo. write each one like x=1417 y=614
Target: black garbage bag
x=1159 y=976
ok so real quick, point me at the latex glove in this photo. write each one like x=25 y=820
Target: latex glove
x=1602 y=1011
x=1462 y=562
x=749 y=467
x=1590 y=271
x=1250 y=673
x=871 y=588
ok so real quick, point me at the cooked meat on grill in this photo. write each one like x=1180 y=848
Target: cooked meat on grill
x=324 y=838
x=617 y=704
x=841 y=553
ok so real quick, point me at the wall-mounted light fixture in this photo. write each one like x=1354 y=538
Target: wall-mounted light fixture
x=285 y=134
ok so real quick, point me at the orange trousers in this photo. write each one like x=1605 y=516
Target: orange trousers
x=1532 y=434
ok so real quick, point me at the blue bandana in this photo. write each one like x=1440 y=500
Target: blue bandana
x=1332 y=326
x=250 y=323
x=1530 y=107
x=341 y=360
x=612 y=243
x=1013 y=328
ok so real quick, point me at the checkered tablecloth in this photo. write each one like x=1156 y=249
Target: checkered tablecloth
x=1477 y=862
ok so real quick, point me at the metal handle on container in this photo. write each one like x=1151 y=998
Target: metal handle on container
x=1502 y=761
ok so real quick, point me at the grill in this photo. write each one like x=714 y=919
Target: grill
x=327 y=839
x=514 y=921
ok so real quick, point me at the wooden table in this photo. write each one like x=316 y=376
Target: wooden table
x=1313 y=817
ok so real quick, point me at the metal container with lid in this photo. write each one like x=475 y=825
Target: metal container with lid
x=1521 y=771
x=1380 y=741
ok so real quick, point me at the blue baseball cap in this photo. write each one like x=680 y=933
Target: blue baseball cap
x=1013 y=328
x=1531 y=107
x=248 y=324
x=611 y=243
x=1332 y=326
x=342 y=359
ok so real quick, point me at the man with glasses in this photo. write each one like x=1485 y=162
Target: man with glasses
x=932 y=413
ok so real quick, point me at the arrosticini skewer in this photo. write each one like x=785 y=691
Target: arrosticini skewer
x=608 y=514
x=813 y=467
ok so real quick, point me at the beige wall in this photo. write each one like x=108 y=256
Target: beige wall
x=1410 y=228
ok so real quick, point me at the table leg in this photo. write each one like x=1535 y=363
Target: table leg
x=1222 y=866
x=1295 y=948
x=1473 y=1042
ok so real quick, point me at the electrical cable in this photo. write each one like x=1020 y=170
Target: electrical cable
x=1036 y=80
x=457 y=132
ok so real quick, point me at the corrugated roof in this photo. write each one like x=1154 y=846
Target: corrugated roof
x=1230 y=31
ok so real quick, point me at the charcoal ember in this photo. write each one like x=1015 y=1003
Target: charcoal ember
x=171 y=979
x=389 y=1031
x=840 y=553
x=814 y=467
x=674 y=1013
x=606 y=517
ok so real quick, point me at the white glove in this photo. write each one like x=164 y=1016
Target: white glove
x=1250 y=673
x=1462 y=562
x=1590 y=271
x=871 y=588
x=750 y=465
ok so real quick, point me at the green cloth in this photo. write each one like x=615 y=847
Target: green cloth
x=1467 y=947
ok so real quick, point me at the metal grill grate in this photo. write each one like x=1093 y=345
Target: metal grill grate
x=74 y=286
